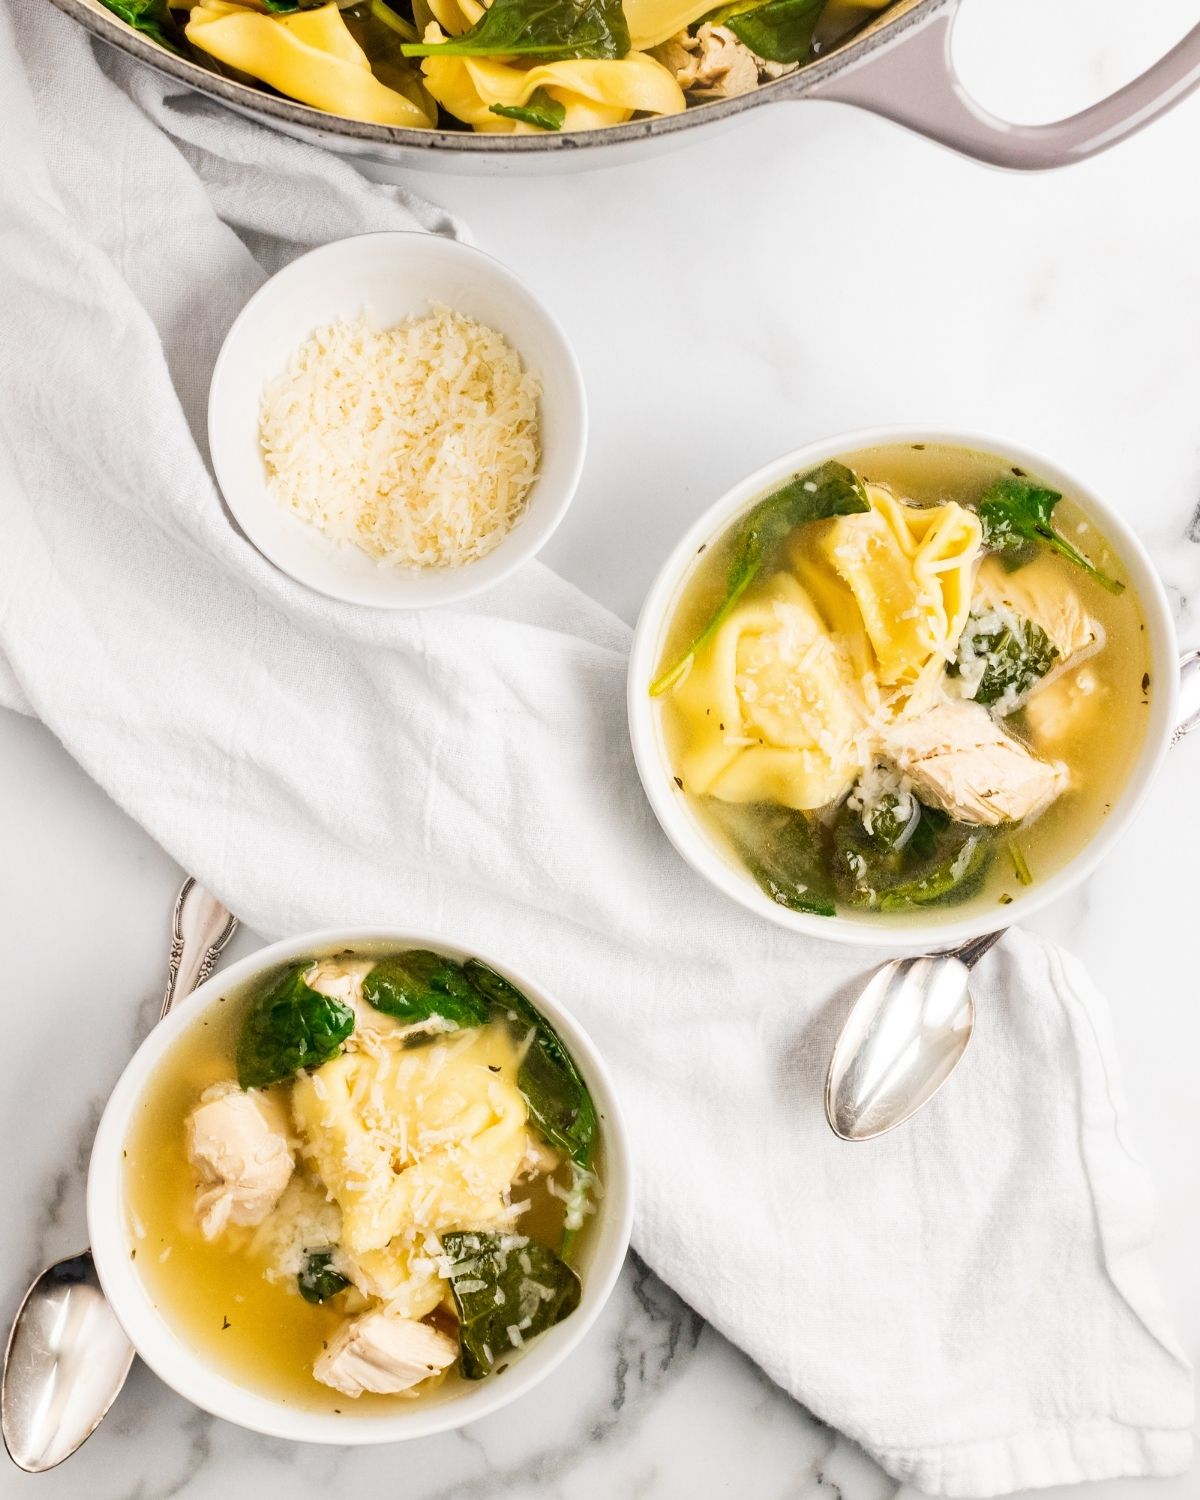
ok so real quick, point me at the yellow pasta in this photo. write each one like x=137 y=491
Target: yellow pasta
x=453 y=16
x=593 y=92
x=652 y=22
x=908 y=571
x=770 y=708
x=309 y=55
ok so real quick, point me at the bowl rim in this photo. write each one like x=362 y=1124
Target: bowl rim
x=191 y=1375
x=544 y=514
x=680 y=825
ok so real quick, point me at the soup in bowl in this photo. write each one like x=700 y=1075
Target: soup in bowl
x=354 y=1181
x=901 y=688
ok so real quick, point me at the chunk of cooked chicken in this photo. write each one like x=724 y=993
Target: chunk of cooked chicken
x=712 y=63
x=383 y=1354
x=958 y=758
x=342 y=979
x=238 y=1144
x=339 y=978
x=1037 y=593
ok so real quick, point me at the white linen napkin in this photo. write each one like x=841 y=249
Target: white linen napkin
x=969 y=1298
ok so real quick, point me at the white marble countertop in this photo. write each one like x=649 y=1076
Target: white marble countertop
x=813 y=270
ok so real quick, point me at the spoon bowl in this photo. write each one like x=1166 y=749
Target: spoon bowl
x=67 y=1355
x=904 y=1037
x=67 y=1360
x=908 y=1030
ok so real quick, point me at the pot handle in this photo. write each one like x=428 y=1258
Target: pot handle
x=909 y=77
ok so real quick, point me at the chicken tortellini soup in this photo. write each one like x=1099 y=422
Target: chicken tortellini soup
x=912 y=679
x=364 y=1179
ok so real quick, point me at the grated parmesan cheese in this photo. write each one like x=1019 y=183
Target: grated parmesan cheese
x=418 y=443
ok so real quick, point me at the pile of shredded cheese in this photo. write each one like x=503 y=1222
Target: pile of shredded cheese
x=417 y=443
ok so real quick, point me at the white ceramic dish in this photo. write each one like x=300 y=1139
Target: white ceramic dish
x=930 y=929
x=388 y=277
x=176 y=1362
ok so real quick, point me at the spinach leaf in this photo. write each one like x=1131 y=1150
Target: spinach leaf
x=507 y=1289
x=891 y=819
x=382 y=33
x=546 y=29
x=152 y=18
x=781 y=30
x=951 y=880
x=543 y=111
x=830 y=490
x=418 y=985
x=785 y=851
x=941 y=860
x=317 y=1280
x=288 y=1027
x=558 y=1099
x=1017 y=510
x=1014 y=655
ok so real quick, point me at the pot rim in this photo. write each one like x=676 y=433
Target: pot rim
x=166 y=1349
x=339 y=130
x=923 y=932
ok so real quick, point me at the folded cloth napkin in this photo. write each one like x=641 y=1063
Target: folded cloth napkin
x=969 y=1299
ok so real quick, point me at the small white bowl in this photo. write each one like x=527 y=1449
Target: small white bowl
x=388 y=277
x=172 y=1358
x=929 y=928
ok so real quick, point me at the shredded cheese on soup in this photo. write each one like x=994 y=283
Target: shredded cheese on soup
x=417 y=443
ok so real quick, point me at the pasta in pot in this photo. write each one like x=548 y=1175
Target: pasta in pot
x=652 y=22
x=592 y=93
x=504 y=66
x=310 y=56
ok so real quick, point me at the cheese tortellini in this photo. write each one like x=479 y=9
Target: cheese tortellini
x=573 y=65
x=896 y=578
x=415 y=1142
x=593 y=92
x=782 y=703
x=771 y=706
x=308 y=55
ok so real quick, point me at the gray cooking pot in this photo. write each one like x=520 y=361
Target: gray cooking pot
x=899 y=66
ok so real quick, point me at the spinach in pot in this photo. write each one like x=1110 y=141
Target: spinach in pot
x=420 y=985
x=780 y=31
x=541 y=110
x=507 y=1289
x=152 y=18
x=549 y=30
x=289 y=1027
x=316 y=1280
x=1015 y=511
x=830 y=490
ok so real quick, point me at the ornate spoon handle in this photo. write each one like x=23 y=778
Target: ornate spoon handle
x=200 y=929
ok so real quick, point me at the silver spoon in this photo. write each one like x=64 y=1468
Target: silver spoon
x=67 y=1356
x=910 y=1026
x=904 y=1037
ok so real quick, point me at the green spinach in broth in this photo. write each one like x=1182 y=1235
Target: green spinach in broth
x=911 y=679
x=334 y=1169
